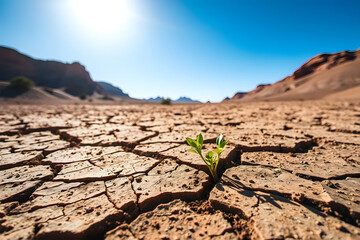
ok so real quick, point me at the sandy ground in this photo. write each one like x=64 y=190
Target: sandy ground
x=291 y=171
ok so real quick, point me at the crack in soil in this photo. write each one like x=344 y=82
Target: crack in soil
x=333 y=209
x=240 y=225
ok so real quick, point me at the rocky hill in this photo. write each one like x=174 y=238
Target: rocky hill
x=72 y=78
x=322 y=76
x=237 y=95
x=112 y=89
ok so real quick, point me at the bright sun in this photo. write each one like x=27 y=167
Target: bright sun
x=101 y=16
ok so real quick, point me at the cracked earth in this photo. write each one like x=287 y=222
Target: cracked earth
x=290 y=171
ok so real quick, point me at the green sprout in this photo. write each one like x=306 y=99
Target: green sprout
x=212 y=158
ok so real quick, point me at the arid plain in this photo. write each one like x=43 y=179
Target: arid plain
x=290 y=171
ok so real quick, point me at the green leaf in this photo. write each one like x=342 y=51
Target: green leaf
x=209 y=155
x=192 y=143
x=219 y=139
x=223 y=143
x=192 y=150
x=200 y=140
x=217 y=151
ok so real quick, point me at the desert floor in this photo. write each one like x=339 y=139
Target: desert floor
x=291 y=170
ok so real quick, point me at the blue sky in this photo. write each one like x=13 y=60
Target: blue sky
x=203 y=49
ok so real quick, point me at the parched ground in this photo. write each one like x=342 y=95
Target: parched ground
x=291 y=171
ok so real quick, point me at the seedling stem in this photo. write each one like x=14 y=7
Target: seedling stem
x=211 y=160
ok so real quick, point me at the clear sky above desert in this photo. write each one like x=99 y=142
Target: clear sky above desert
x=203 y=49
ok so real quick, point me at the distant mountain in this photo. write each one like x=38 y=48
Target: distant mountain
x=157 y=99
x=179 y=100
x=186 y=100
x=109 y=88
x=72 y=78
x=334 y=75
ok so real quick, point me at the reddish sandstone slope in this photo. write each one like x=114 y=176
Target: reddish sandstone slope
x=323 y=75
x=72 y=78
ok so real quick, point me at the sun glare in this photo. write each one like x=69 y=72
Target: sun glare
x=107 y=17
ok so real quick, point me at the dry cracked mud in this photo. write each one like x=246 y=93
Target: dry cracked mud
x=291 y=171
